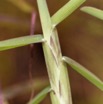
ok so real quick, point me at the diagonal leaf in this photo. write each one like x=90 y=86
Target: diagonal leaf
x=21 y=41
x=65 y=11
x=93 y=11
x=84 y=72
x=40 y=96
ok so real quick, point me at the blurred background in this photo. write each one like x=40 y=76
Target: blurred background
x=22 y=70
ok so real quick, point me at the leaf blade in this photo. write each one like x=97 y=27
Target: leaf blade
x=20 y=41
x=65 y=11
x=93 y=11
x=84 y=72
x=40 y=96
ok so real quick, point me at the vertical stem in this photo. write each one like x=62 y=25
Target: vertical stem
x=32 y=29
x=1 y=97
x=57 y=69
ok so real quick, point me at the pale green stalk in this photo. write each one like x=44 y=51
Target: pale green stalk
x=57 y=70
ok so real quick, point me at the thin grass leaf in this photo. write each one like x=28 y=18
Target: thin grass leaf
x=93 y=11
x=22 y=5
x=84 y=72
x=21 y=41
x=40 y=96
x=65 y=11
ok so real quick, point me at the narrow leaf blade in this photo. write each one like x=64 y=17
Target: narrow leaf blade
x=65 y=11
x=93 y=11
x=21 y=41
x=84 y=72
x=40 y=96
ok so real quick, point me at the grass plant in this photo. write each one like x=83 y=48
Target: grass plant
x=56 y=63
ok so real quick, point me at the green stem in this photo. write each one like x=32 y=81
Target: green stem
x=57 y=69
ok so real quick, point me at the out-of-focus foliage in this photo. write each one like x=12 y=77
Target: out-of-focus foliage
x=24 y=87
x=22 y=5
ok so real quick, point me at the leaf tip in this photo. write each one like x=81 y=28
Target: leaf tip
x=84 y=8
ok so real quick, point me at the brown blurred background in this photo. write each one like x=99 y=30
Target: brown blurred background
x=81 y=38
